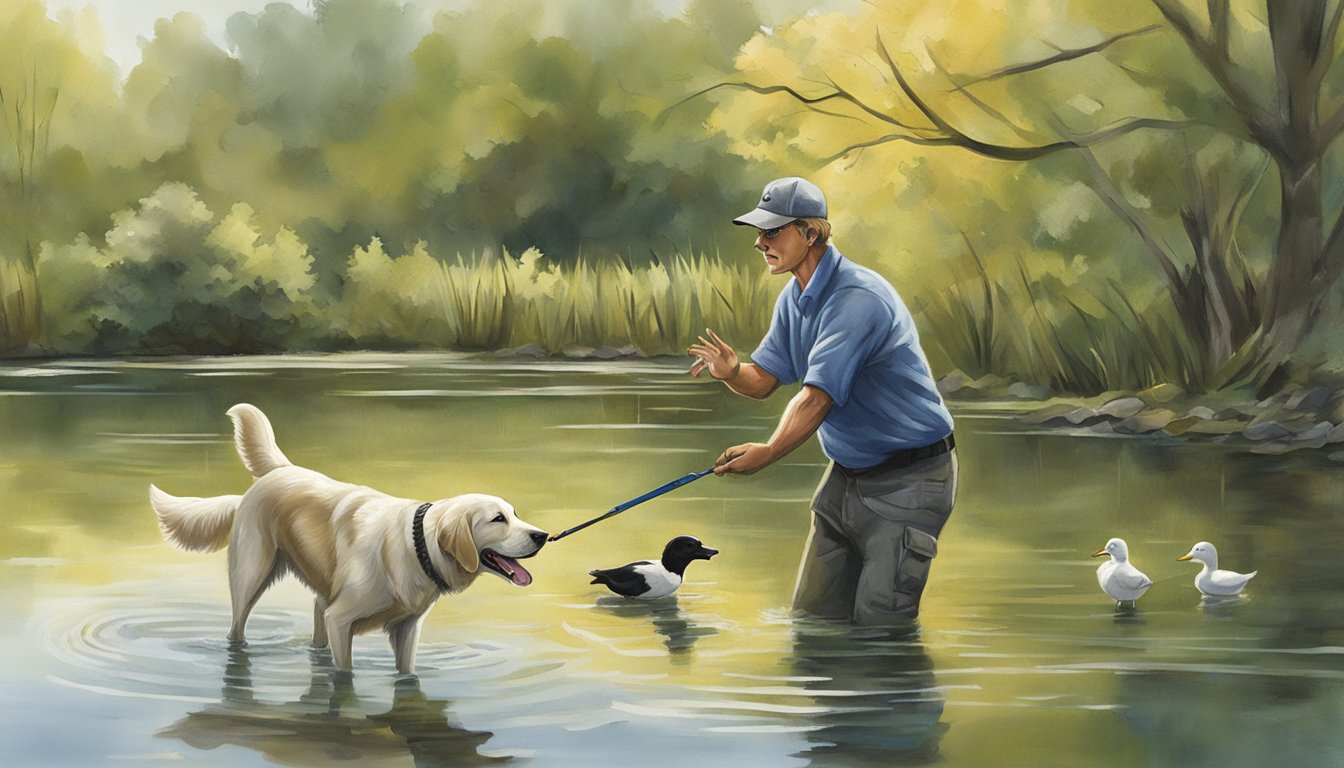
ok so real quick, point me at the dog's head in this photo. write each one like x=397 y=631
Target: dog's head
x=478 y=530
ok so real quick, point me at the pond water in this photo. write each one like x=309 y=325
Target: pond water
x=114 y=649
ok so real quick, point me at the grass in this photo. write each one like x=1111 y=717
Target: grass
x=487 y=301
x=1080 y=340
x=20 y=315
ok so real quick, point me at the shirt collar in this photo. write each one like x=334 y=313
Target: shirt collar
x=821 y=279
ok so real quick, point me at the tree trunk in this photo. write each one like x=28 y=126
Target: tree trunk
x=1291 y=302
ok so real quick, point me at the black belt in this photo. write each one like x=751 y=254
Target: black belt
x=902 y=459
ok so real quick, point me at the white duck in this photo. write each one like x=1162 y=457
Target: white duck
x=1117 y=576
x=1211 y=580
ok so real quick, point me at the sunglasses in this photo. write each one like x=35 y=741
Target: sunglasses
x=771 y=234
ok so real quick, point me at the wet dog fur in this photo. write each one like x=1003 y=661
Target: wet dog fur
x=351 y=545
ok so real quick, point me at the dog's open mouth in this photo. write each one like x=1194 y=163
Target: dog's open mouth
x=507 y=567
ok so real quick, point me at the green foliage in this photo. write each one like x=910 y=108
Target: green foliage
x=319 y=184
x=174 y=276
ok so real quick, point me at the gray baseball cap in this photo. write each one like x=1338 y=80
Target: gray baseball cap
x=785 y=200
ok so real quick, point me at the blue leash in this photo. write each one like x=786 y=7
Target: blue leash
x=619 y=508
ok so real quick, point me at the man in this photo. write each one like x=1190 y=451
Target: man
x=842 y=331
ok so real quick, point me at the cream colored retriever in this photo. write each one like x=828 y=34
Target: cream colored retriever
x=373 y=560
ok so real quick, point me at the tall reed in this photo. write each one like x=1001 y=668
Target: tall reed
x=20 y=321
x=1077 y=339
x=492 y=301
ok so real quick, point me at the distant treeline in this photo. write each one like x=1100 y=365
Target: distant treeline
x=174 y=277
x=1084 y=194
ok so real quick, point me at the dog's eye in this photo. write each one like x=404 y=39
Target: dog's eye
x=499 y=518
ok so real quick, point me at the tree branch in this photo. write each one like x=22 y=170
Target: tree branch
x=951 y=136
x=836 y=93
x=1111 y=195
x=977 y=101
x=1218 y=64
x=1218 y=18
x=1068 y=54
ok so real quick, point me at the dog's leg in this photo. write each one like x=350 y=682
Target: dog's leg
x=404 y=635
x=340 y=635
x=252 y=568
x=319 y=623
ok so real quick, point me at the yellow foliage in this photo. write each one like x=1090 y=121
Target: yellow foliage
x=284 y=261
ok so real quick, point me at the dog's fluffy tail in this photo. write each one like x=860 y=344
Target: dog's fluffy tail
x=255 y=439
x=196 y=525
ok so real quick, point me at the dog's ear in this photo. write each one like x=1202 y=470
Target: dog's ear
x=456 y=540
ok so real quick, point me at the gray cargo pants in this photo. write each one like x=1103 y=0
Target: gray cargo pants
x=874 y=536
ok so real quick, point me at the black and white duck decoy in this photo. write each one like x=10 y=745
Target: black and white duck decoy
x=652 y=579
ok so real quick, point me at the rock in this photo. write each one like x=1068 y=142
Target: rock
x=1148 y=421
x=1201 y=412
x=1334 y=410
x=1161 y=394
x=1102 y=428
x=1287 y=421
x=1228 y=427
x=1336 y=434
x=527 y=350
x=1266 y=430
x=1247 y=412
x=1182 y=425
x=1024 y=391
x=1082 y=415
x=1308 y=399
x=1051 y=414
x=1272 y=403
x=1314 y=436
x=953 y=382
x=1122 y=408
x=605 y=353
x=577 y=350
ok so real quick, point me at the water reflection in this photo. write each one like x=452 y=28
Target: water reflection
x=1035 y=668
x=1224 y=715
x=1221 y=605
x=679 y=631
x=875 y=686
x=330 y=721
x=1128 y=613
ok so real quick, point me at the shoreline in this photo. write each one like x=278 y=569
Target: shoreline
x=1300 y=417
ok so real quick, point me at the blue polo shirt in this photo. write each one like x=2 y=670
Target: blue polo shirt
x=850 y=335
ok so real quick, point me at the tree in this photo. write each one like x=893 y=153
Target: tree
x=52 y=96
x=1271 y=75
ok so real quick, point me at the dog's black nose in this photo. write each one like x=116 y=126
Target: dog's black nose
x=539 y=537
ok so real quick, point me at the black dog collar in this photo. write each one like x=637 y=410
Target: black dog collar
x=422 y=549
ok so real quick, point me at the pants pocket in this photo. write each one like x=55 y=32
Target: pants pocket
x=912 y=571
x=892 y=588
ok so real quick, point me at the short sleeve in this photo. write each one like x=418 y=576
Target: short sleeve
x=773 y=353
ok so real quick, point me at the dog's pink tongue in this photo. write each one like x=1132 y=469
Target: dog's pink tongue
x=516 y=572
